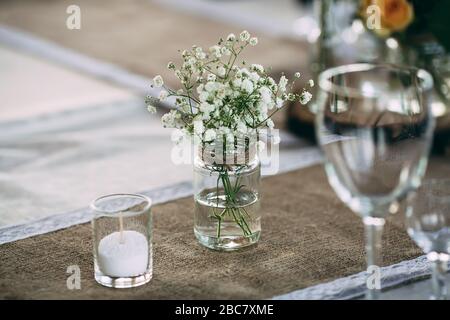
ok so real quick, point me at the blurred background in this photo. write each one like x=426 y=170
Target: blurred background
x=73 y=124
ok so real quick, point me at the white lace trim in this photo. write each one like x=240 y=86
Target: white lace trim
x=65 y=220
x=355 y=285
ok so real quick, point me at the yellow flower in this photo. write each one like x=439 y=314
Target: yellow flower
x=395 y=15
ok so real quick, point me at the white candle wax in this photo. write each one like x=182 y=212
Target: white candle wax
x=123 y=257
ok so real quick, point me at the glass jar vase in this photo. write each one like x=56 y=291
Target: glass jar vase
x=227 y=198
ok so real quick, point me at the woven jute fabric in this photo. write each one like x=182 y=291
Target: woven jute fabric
x=308 y=237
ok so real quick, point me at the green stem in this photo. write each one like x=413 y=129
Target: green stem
x=219 y=227
x=243 y=222
x=239 y=215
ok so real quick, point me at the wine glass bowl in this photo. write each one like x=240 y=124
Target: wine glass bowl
x=375 y=126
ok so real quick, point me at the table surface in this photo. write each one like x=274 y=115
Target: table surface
x=59 y=133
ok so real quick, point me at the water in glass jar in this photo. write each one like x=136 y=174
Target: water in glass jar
x=221 y=226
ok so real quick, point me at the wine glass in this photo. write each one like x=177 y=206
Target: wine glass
x=428 y=224
x=375 y=127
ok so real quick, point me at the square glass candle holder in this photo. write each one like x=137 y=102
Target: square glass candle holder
x=122 y=238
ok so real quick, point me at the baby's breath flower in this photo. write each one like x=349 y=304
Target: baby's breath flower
x=210 y=86
x=172 y=119
x=266 y=94
x=187 y=66
x=311 y=83
x=198 y=52
x=231 y=37
x=247 y=85
x=282 y=84
x=305 y=97
x=237 y=82
x=244 y=36
x=220 y=96
x=257 y=67
x=216 y=51
x=279 y=102
x=221 y=71
x=203 y=97
x=199 y=127
x=253 y=41
x=297 y=75
x=191 y=60
x=163 y=95
x=158 y=81
x=151 y=108
x=211 y=77
x=291 y=96
x=171 y=66
x=214 y=48
x=200 y=55
x=225 y=51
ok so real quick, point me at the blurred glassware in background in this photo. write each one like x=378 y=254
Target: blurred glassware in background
x=307 y=26
x=428 y=224
x=343 y=38
x=375 y=127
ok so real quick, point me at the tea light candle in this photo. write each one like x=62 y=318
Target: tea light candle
x=123 y=254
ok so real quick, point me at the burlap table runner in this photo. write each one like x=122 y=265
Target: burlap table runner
x=309 y=237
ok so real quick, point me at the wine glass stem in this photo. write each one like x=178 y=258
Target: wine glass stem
x=438 y=278
x=373 y=231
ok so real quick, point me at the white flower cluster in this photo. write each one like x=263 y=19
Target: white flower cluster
x=222 y=96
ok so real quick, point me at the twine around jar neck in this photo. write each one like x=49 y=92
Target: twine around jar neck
x=218 y=153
